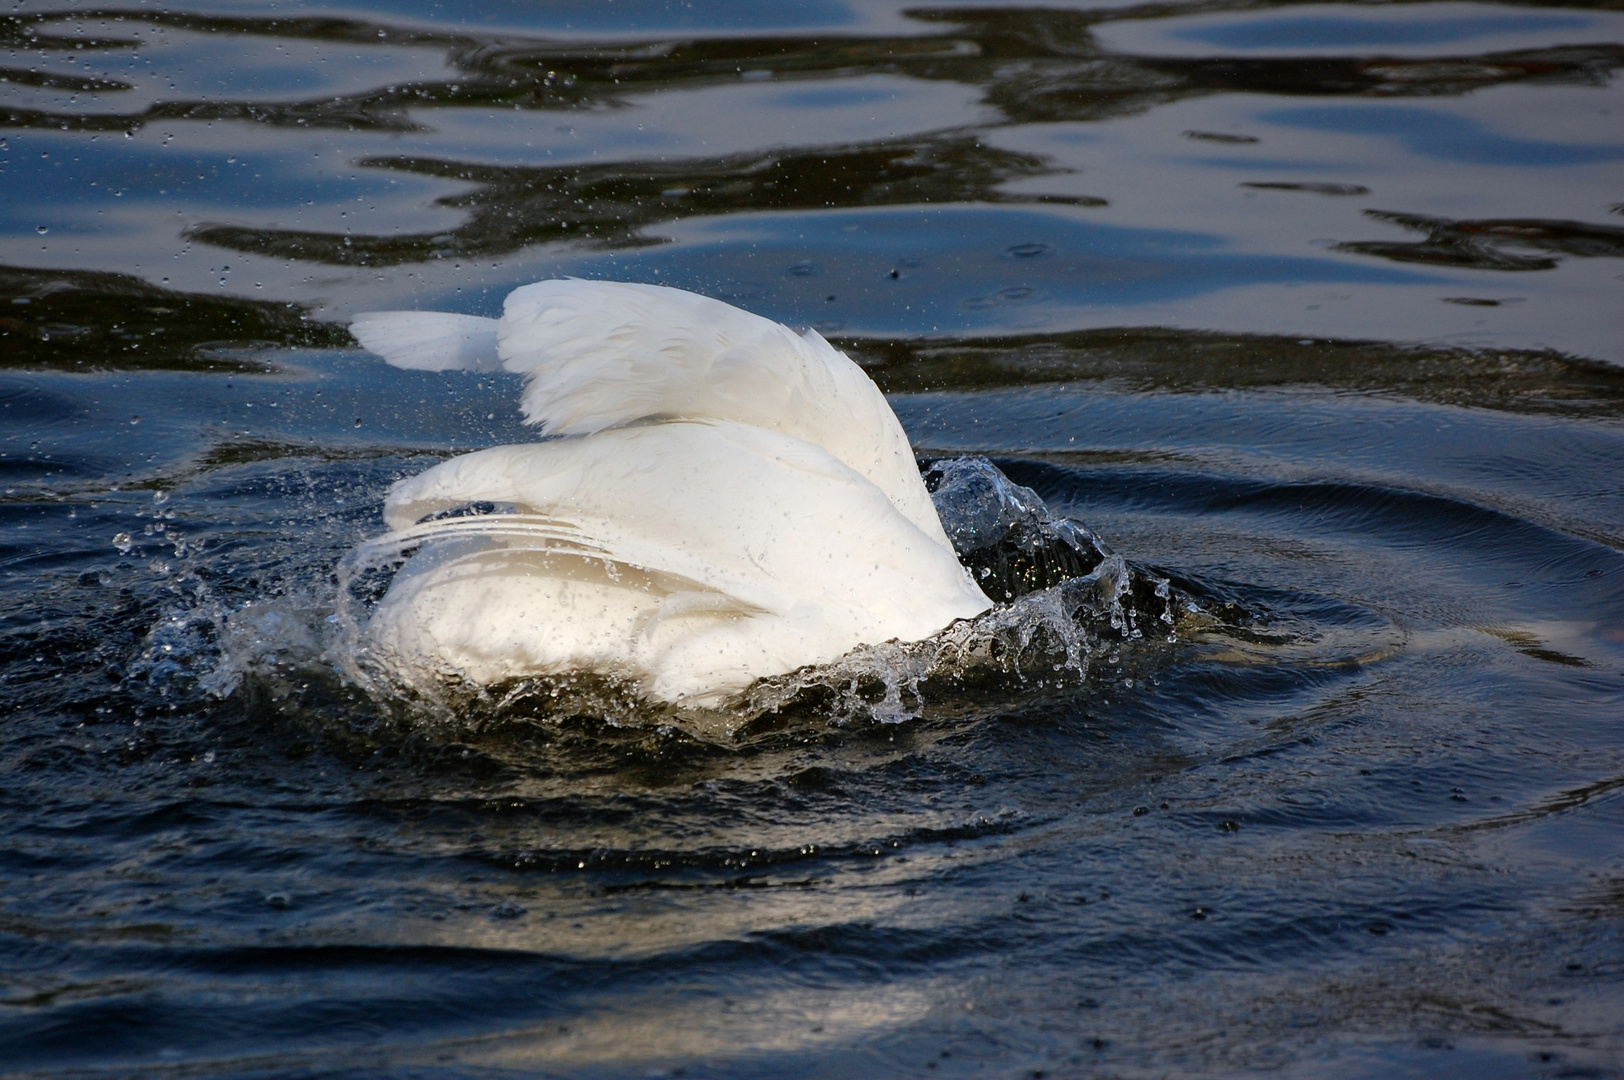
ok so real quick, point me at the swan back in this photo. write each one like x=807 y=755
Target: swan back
x=695 y=555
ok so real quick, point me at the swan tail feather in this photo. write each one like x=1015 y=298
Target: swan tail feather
x=429 y=340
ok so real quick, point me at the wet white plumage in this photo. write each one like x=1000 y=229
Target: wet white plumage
x=727 y=500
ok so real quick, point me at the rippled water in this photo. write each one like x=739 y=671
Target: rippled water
x=1313 y=311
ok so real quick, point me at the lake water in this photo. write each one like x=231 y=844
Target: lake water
x=1315 y=310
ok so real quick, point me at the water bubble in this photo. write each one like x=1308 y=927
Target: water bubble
x=41 y=229
x=123 y=542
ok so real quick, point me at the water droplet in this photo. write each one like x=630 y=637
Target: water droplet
x=41 y=229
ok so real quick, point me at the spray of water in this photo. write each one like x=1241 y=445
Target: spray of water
x=1064 y=602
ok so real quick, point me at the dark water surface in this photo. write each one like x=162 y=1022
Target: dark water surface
x=1316 y=309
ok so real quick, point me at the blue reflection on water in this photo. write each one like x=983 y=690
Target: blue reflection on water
x=924 y=270
x=68 y=180
x=1341 y=31
x=1436 y=134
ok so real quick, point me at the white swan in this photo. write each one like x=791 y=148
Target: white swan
x=725 y=499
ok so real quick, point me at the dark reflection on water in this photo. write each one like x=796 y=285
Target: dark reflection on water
x=611 y=205
x=1312 y=310
x=1492 y=245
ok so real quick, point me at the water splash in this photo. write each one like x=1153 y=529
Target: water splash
x=1063 y=599
x=1010 y=540
x=181 y=649
x=1044 y=640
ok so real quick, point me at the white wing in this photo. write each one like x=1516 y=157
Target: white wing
x=598 y=354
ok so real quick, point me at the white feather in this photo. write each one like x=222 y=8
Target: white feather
x=601 y=353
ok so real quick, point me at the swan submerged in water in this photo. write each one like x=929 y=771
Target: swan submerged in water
x=721 y=499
